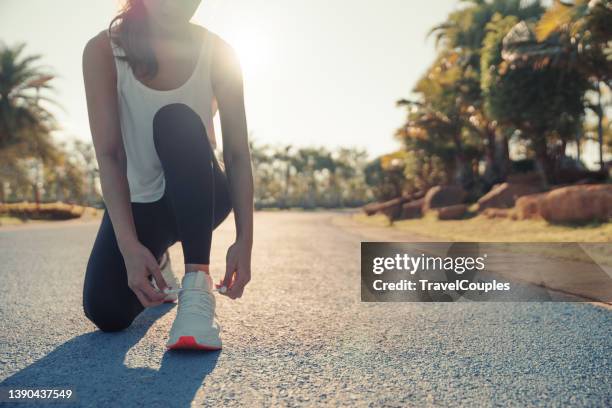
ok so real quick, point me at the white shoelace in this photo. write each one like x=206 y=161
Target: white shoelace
x=201 y=305
x=222 y=289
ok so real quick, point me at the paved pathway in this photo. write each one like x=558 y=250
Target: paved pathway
x=300 y=336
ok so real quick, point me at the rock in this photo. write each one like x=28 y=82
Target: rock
x=504 y=195
x=391 y=207
x=581 y=203
x=451 y=212
x=496 y=213
x=528 y=207
x=443 y=196
x=371 y=209
x=412 y=209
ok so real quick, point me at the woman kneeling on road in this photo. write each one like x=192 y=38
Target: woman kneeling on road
x=154 y=82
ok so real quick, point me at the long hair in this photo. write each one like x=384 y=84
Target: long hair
x=132 y=35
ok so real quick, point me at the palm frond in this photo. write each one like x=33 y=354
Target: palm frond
x=24 y=121
x=554 y=19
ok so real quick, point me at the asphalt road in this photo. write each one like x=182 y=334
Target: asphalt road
x=300 y=336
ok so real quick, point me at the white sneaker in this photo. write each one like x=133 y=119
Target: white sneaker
x=166 y=269
x=195 y=325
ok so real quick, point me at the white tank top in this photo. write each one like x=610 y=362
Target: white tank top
x=138 y=105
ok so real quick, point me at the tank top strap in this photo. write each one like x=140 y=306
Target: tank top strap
x=209 y=44
x=117 y=51
x=120 y=65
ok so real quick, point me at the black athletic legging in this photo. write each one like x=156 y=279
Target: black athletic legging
x=195 y=201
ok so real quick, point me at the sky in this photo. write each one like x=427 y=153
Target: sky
x=316 y=72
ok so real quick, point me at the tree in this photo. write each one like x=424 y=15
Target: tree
x=66 y=180
x=385 y=175
x=545 y=103
x=307 y=177
x=87 y=161
x=451 y=89
x=577 y=36
x=25 y=125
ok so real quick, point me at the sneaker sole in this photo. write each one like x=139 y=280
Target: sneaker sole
x=190 y=343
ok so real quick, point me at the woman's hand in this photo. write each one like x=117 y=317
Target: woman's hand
x=238 y=269
x=100 y=78
x=140 y=263
x=228 y=87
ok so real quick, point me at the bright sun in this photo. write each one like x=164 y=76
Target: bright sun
x=251 y=50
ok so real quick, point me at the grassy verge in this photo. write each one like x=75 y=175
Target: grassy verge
x=8 y=220
x=497 y=230
x=481 y=229
x=25 y=212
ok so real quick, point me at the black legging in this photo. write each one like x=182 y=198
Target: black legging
x=195 y=201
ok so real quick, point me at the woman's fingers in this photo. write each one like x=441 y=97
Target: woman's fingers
x=237 y=289
x=154 y=297
x=135 y=287
x=229 y=275
x=157 y=275
x=146 y=293
x=144 y=299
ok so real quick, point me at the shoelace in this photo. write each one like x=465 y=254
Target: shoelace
x=202 y=305
x=222 y=289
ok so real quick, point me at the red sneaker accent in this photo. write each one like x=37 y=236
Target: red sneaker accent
x=189 y=342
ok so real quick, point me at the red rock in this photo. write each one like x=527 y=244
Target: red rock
x=581 y=203
x=496 y=213
x=371 y=209
x=528 y=206
x=392 y=208
x=412 y=209
x=452 y=212
x=387 y=207
x=505 y=195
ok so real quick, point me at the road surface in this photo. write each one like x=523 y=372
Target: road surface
x=299 y=337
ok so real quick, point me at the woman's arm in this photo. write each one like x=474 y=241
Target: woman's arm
x=227 y=84
x=100 y=79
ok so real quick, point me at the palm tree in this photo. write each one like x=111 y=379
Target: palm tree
x=25 y=125
x=465 y=29
x=578 y=36
x=544 y=101
x=580 y=30
x=461 y=39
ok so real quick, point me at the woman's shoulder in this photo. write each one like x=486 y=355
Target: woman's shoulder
x=224 y=62
x=214 y=39
x=98 y=59
x=99 y=48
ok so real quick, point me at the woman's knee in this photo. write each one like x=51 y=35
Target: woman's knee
x=177 y=126
x=106 y=316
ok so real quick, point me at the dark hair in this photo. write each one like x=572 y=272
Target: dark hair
x=132 y=35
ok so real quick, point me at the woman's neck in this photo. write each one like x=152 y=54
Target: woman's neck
x=176 y=32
